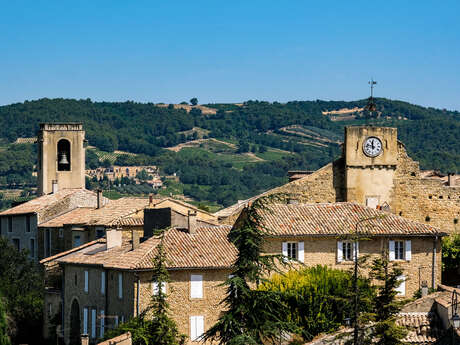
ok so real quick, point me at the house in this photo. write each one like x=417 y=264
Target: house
x=109 y=280
x=20 y=224
x=321 y=234
x=385 y=177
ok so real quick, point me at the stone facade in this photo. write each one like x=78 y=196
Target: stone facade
x=323 y=251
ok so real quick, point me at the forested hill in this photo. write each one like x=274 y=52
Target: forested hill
x=278 y=137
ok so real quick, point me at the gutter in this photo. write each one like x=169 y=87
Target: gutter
x=433 y=266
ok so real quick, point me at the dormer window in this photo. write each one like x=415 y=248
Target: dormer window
x=63 y=155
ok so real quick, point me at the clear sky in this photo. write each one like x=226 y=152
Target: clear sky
x=230 y=51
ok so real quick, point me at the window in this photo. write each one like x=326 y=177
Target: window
x=401 y=289
x=120 y=285
x=122 y=319
x=116 y=320
x=93 y=323
x=47 y=235
x=76 y=241
x=32 y=247
x=103 y=282
x=86 y=281
x=196 y=327
x=85 y=320
x=372 y=201
x=100 y=233
x=28 y=223
x=400 y=250
x=10 y=224
x=155 y=288
x=16 y=243
x=101 y=329
x=76 y=280
x=293 y=250
x=196 y=286
x=346 y=250
x=61 y=233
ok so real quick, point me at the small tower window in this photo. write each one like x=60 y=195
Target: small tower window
x=63 y=155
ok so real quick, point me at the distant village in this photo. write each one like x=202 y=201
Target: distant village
x=98 y=254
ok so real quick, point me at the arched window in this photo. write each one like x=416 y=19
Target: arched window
x=63 y=155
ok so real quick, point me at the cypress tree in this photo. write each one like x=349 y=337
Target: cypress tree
x=251 y=316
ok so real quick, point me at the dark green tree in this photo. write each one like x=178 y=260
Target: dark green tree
x=194 y=101
x=4 y=339
x=386 y=305
x=252 y=316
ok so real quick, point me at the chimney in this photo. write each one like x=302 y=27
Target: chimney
x=191 y=224
x=84 y=339
x=451 y=179
x=99 y=198
x=135 y=239
x=424 y=288
x=113 y=238
x=55 y=187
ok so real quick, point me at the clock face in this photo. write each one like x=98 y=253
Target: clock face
x=372 y=146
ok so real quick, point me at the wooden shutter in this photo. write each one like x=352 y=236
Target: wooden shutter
x=120 y=285
x=93 y=323
x=357 y=249
x=402 y=287
x=408 y=250
x=285 y=253
x=339 y=251
x=391 y=245
x=103 y=282
x=86 y=281
x=85 y=320
x=199 y=326
x=101 y=329
x=196 y=286
x=301 y=253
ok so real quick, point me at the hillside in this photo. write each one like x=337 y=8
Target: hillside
x=231 y=152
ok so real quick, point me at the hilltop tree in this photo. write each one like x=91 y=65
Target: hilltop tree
x=194 y=101
x=252 y=316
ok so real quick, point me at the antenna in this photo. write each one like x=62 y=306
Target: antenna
x=371 y=104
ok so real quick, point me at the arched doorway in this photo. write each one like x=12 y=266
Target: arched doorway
x=75 y=323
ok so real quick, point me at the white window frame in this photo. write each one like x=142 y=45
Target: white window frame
x=103 y=283
x=196 y=327
x=297 y=248
x=292 y=250
x=196 y=286
x=399 y=250
x=86 y=287
x=85 y=320
x=345 y=256
x=120 y=285
x=397 y=246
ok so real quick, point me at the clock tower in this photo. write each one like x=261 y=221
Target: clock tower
x=371 y=155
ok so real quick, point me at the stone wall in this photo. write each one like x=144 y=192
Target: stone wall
x=19 y=231
x=323 y=251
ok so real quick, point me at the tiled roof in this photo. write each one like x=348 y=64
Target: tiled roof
x=338 y=219
x=207 y=248
x=422 y=327
x=131 y=221
x=43 y=202
x=80 y=215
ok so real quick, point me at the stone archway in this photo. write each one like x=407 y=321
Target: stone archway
x=75 y=323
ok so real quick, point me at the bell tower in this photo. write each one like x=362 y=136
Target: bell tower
x=61 y=157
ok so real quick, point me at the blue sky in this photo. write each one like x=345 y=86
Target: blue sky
x=230 y=51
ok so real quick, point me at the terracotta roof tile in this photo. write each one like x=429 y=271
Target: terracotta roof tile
x=207 y=248
x=422 y=327
x=338 y=219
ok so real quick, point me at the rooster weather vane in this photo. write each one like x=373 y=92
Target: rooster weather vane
x=370 y=103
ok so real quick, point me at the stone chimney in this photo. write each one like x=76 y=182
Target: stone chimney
x=84 y=339
x=424 y=288
x=293 y=201
x=451 y=179
x=135 y=239
x=113 y=238
x=100 y=198
x=55 y=186
x=191 y=222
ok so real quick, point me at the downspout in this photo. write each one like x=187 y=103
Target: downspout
x=106 y=282
x=433 y=271
x=136 y=275
x=63 y=301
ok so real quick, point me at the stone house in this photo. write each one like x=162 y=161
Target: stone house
x=387 y=178
x=320 y=234
x=20 y=224
x=107 y=281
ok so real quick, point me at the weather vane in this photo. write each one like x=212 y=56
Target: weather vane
x=371 y=104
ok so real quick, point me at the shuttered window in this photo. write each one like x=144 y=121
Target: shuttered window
x=102 y=328
x=85 y=320
x=103 y=282
x=86 y=281
x=93 y=323
x=196 y=327
x=120 y=285
x=400 y=250
x=196 y=286
x=294 y=250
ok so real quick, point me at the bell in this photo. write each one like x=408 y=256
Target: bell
x=63 y=159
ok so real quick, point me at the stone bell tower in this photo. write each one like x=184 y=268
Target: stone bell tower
x=61 y=157
x=371 y=158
